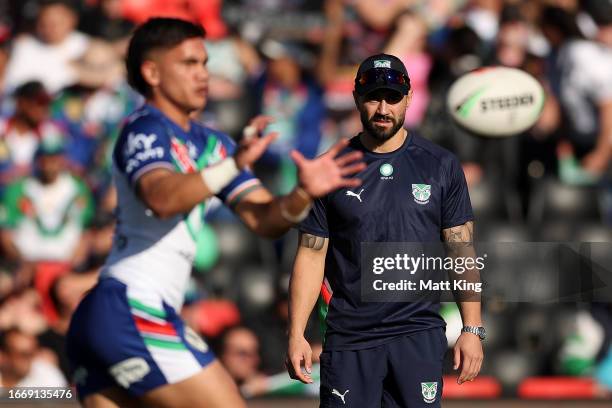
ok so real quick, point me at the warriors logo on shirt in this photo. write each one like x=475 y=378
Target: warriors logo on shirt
x=421 y=193
x=429 y=391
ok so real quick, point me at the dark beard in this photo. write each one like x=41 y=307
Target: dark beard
x=378 y=133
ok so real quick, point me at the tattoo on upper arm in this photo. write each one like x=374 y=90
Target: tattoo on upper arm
x=312 y=241
x=461 y=234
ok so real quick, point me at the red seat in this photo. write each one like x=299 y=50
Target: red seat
x=557 y=388
x=480 y=388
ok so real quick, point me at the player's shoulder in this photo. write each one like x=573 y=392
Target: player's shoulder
x=143 y=119
x=431 y=149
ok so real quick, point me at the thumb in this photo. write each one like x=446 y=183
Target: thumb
x=457 y=358
x=298 y=158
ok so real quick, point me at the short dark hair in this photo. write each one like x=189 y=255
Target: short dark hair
x=156 y=33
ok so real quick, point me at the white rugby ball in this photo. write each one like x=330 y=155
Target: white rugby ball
x=496 y=101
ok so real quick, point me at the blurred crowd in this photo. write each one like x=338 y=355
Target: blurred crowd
x=63 y=96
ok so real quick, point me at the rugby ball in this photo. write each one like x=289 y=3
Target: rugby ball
x=496 y=101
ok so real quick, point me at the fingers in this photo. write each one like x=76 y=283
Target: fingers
x=260 y=122
x=349 y=183
x=308 y=362
x=268 y=139
x=297 y=158
x=456 y=358
x=348 y=158
x=335 y=149
x=470 y=368
x=296 y=371
x=352 y=169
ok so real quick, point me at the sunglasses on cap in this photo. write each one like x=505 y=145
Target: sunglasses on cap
x=382 y=76
x=388 y=95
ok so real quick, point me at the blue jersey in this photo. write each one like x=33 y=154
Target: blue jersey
x=154 y=256
x=408 y=195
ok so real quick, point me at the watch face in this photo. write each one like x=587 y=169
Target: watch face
x=482 y=333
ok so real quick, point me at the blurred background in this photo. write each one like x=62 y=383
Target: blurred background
x=63 y=96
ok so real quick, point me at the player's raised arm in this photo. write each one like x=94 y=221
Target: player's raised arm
x=168 y=193
x=304 y=289
x=467 y=353
x=272 y=217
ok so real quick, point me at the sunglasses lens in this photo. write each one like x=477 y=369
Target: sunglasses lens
x=382 y=76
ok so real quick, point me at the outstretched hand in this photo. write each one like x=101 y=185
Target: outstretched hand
x=251 y=146
x=328 y=172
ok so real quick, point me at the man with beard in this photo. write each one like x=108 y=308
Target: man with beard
x=382 y=353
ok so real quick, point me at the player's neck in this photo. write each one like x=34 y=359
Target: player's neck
x=384 y=146
x=172 y=111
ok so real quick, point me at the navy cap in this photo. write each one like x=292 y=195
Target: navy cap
x=382 y=71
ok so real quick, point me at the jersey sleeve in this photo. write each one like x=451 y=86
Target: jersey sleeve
x=596 y=77
x=316 y=222
x=143 y=145
x=243 y=183
x=456 y=205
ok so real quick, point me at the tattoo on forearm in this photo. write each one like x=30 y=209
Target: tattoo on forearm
x=312 y=241
x=461 y=235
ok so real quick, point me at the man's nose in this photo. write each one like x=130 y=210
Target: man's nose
x=383 y=108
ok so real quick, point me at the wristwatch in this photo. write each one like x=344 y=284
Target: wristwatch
x=477 y=330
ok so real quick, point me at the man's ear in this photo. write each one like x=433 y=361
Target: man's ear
x=409 y=97
x=150 y=73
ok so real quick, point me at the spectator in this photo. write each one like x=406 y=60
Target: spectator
x=65 y=293
x=56 y=42
x=408 y=42
x=106 y=21
x=20 y=367
x=296 y=104
x=232 y=64
x=93 y=108
x=21 y=133
x=46 y=214
x=240 y=355
x=583 y=87
x=4 y=55
x=22 y=309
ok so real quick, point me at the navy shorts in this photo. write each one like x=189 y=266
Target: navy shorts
x=406 y=373
x=116 y=339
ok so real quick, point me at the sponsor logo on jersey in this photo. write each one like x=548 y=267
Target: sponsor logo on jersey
x=421 y=193
x=130 y=371
x=429 y=391
x=386 y=171
x=139 y=148
x=357 y=195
